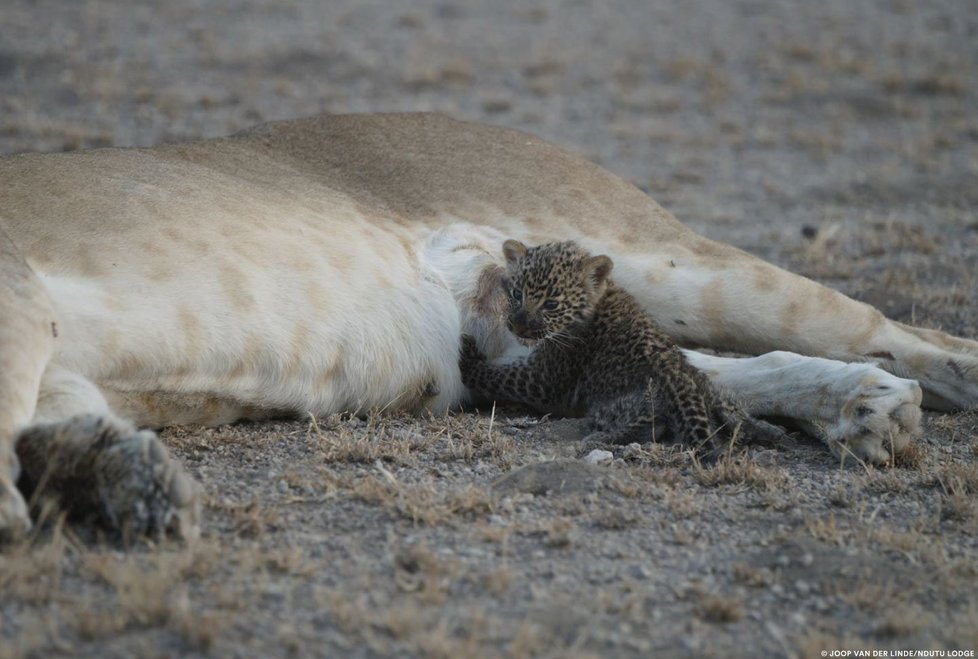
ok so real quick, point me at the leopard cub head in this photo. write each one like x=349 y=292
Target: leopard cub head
x=554 y=288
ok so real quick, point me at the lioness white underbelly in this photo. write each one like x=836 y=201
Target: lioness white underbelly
x=309 y=316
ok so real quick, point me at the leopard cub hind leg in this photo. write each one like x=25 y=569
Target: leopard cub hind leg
x=621 y=420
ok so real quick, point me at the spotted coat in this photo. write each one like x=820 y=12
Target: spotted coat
x=596 y=353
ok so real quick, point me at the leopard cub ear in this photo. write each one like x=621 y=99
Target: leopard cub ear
x=598 y=268
x=513 y=250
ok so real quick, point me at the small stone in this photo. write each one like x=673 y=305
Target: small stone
x=598 y=456
x=638 y=571
x=631 y=451
x=282 y=486
x=774 y=630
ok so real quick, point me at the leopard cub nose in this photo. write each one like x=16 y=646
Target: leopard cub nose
x=519 y=320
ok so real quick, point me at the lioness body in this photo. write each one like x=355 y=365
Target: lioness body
x=331 y=263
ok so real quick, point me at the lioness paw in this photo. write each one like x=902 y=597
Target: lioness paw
x=14 y=520
x=878 y=420
x=141 y=490
x=104 y=469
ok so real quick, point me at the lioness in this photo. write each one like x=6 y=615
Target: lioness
x=332 y=264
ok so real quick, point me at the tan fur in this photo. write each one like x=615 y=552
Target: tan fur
x=297 y=267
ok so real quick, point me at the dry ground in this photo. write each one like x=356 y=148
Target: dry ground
x=839 y=139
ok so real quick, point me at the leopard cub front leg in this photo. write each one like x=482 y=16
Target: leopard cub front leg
x=103 y=468
x=520 y=381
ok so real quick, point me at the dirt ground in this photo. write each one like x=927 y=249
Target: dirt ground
x=836 y=138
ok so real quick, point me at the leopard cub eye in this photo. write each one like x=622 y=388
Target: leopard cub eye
x=550 y=305
x=516 y=294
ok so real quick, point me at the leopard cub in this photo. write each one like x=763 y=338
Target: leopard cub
x=597 y=354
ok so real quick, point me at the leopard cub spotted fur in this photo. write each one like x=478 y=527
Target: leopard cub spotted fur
x=597 y=354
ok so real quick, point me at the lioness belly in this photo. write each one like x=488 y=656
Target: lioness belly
x=318 y=322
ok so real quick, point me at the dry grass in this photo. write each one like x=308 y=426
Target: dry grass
x=741 y=471
x=253 y=519
x=845 y=496
x=812 y=644
x=903 y=619
x=345 y=439
x=681 y=504
x=752 y=576
x=561 y=533
x=931 y=84
x=152 y=591
x=912 y=543
x=418 y=570
x=867 y=595
x=959 y=483
x=411 y=601
x=422 y=502
x=719 y=609
x=614 y=519
x=499 y=580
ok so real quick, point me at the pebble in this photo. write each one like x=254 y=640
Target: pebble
x=633 y=450
x=598 y=456
x=775 y=631
x=638 y=571
x=282 y=486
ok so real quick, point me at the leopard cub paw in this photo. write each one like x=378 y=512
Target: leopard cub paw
x=469 y=351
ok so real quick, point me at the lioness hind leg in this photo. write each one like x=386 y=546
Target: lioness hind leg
x=27 y=329
x=100 y=467
x=709 y=295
